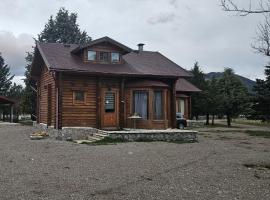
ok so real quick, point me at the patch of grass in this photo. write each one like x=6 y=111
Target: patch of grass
x=107 y=141
x=224 y=138
x=111 y=141
x=265 y=134
x=220 y=126
x=183 y=141
x=258 y=166
x=253 y=122
x=26 y=123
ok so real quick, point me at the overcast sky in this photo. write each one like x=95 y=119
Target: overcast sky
x=184 y=31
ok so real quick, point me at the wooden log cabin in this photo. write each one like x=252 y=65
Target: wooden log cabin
x=103 y=83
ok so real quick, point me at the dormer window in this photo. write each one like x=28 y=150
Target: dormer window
x=91 y=55
x=104 y=56
x=115 y=57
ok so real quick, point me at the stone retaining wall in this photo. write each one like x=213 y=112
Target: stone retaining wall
x=80 y=133
x=68 y=133
x=156 y=136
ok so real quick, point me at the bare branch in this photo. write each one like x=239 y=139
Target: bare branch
x=230 y=6
x=262 y=40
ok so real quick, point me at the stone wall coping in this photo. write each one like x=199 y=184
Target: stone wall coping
x=147 y=131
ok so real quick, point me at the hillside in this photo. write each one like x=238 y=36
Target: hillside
x=247 y=82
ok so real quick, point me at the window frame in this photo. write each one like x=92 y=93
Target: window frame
x=79 y=101
x=162 y=105
x=114 y=102
x=104 y=52
x=133 y=102
x=118 y=57
x=95 y=55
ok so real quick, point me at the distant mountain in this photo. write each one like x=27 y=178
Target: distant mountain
x=247 y=82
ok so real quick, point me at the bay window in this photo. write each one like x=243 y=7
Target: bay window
x=140 y=103
x=158 y=105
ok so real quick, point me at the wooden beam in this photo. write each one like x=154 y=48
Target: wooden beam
x=11 y=113
x=173 y=104
x=38 y=102
x=122 y=104
x=98 y=102
x=59 y=101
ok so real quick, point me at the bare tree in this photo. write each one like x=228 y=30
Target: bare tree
x=262 y=40
x=263 y=6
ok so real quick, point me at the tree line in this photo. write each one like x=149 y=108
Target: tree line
x=227 y=96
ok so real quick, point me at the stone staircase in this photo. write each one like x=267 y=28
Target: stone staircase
x=95 y=137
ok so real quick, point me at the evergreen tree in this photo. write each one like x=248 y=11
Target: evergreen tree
x=233 y=95
x=5 y=77
x=199 y=99
x=214 y=104
x=60 y=29
x=63 y=29
x=15 y=93
x=262 y=98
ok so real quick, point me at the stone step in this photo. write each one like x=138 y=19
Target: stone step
x=94 y=138
x=100 y=135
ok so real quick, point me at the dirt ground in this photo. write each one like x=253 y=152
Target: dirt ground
x=219 y=166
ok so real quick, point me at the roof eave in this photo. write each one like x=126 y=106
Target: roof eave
x=114 y=74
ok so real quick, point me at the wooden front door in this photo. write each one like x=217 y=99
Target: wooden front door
x=110 y=109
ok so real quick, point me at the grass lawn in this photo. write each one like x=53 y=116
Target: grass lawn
x=252 y=122
x=265 y=134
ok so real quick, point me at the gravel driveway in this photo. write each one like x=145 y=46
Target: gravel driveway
x=210 y=169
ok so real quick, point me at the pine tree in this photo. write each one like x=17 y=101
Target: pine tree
x=63 y=29
x=262 y=98
x=214 y=103
x=60 y=29
x=5 y=77
x=233 y=95
x=198 y=100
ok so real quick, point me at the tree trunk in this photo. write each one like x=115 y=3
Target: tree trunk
x=228 y=120
x=213 y=119
x=207 y=119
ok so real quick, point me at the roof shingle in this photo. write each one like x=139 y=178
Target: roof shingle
x=59 y=57
x=183 y=85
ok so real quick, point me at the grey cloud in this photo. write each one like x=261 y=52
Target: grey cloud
x=174 y=3
x=14 y=48
x=162 y=18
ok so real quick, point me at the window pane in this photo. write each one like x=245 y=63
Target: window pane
x=109 y=102
x=158 y=105
x=79 y=95
x=91 y=55
x=104 y=56
x=115 y=57
x=140 y=103
x=182 y=106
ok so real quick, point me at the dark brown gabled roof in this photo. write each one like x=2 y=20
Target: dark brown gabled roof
x=100 y=40
x=183 y=85
x=59 y=57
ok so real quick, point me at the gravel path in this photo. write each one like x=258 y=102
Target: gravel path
x=211 y=169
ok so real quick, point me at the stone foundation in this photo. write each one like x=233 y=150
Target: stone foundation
x=82 y=133
x=68 y=133
x=155 y=135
